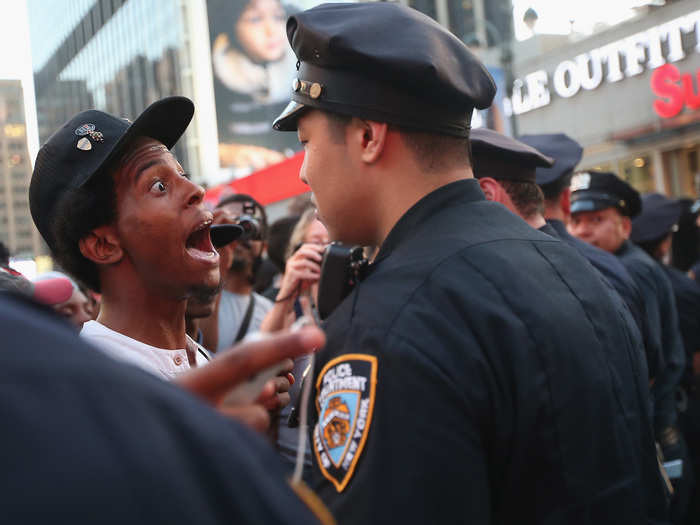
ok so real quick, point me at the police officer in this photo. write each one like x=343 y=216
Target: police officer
x=652 y=231
x=453 y=388
x=602 y=206
x=555 y=184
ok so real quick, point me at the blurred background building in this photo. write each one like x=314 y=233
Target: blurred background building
x=17 y=229
x=630 y=93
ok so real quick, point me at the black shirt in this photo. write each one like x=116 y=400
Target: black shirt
x=478 y=375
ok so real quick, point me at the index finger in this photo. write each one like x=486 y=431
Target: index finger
x=242 y=361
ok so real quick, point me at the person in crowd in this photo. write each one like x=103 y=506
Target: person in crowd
x=555 y=184
x=475 y=348
x=602 y=209
x=77 y=308
x=4 y=256
x=120 y=214
x=277 y=243
x=48 y=292
x=653 y=231
x=92 y=440
x=307 y=243
x=239 y=310
x=252 y=67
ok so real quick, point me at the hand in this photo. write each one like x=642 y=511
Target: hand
x=282 y=383
x=301 y=271
x=230 y=368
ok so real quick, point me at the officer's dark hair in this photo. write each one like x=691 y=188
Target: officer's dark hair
x=432 y=151
x=243 y=197
x=78 y=212
x=652 y=247
x=527 y=197
x=554 y=189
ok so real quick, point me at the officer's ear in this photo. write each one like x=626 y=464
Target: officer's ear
x=372 y=139
x=491 y=188
x=102 y=245
x=565 y=201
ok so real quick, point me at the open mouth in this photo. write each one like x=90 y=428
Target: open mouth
x=198 y=244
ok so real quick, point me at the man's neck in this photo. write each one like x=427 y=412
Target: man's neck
x=554 y=211
x=238 y=282
x=142 y=315
x=408 y=190
x=536 y=221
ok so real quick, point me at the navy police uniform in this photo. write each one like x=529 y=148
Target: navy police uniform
x=471 y=376
x=600 y=190
x=567 y=153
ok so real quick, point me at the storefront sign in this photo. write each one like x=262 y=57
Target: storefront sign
x=611 y=63
x=675 y=90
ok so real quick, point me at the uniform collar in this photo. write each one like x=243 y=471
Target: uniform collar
x=461 y=191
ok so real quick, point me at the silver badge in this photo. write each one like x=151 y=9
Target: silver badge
x=581 y=181
x=84 y=144
x=84 y=130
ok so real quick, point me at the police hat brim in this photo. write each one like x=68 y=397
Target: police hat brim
x=223 y=234
x=287 y=120
x=593 y=201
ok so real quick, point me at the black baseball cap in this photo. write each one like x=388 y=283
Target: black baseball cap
x=361 y=60
x=223 y=234
x=88 y=144
x=659 y=217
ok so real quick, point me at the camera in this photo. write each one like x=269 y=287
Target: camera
x=252 y=229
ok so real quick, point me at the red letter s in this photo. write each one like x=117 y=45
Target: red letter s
x=663 y=84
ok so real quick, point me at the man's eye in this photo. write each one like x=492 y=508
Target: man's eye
x=158 y=187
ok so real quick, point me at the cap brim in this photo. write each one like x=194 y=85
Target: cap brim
x=287 y=120
x=223 y=234
x=589 y=205
x=52 y=291
x=165 y=121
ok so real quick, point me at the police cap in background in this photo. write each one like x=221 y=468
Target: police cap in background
x=659 y=217
x=422 y=78
x=597 y=190
x=565 y=151
x=500 y=157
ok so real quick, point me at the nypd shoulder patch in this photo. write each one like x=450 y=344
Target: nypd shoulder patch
x=345 y=392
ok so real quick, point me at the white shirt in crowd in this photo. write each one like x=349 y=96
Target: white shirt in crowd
x=162 y=362
x=232 y=309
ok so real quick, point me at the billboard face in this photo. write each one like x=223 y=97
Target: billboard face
x=253 y=68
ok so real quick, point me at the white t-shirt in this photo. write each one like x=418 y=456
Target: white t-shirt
x=232 y=309
x=164 y=363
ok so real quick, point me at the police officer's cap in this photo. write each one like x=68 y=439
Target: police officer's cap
x=565 y=151
x=659 y=217
x=597 y=190
x=384 y=62
x=502 y=157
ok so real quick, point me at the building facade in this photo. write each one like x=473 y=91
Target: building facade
x=630 y=94
x=119 y=56
x=17 y=229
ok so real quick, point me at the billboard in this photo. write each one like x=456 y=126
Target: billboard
x=253 y=68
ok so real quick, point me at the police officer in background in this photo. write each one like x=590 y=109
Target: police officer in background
x=602 y=209
x=653 y=230
x=555 y=184
x=470 y=377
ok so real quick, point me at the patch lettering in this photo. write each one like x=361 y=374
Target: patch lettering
x=345 y=392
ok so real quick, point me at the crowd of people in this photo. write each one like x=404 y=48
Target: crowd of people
x=521 y=346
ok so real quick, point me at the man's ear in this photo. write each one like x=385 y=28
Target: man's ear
x=565 y=201
x=102 y=246
x=490 y=188
x=372 y=138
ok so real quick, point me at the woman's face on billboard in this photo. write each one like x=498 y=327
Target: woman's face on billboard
x=261 y=30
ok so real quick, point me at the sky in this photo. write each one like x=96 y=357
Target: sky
x=554 y=17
